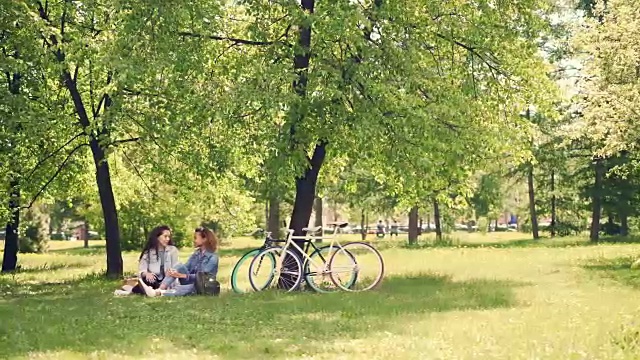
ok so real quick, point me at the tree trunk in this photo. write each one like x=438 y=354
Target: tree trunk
x=413 y=225
x=363 y=226
x=420 y=227
x=103 y=180
x=303 y=203
x=109 y=211
x=532 y=204
x=10 y=256
x=305 y=184
x=437 y=220
x=11 y=244
x=305 y=191
x=554 y=216
x=273 y=217
x=428 y=223
x=596 y=200
x=317 y=208
x=266 y=215
x=624 y=224
x=86 y=233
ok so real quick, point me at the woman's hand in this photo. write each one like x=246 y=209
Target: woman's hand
x=151 y=277
x=176 y=274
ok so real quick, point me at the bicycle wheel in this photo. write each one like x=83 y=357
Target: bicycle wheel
x=264 y=265
x=240 y=274
x=360 y=259
x=319 y=279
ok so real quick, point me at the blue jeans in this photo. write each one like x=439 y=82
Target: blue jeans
x=183 y=287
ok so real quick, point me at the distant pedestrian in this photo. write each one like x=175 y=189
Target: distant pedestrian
x=394 y=229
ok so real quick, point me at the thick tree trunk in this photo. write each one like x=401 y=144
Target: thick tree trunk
x=413 y=225
x=273 y=217
x=554 y=216
x=305 y=184
x=109 y=211
x=532 y=204
x=596 y=200
x=317 y=208
x=10 y=256
x=303 y=204
x=437 y=220
x=103 y=181
x=305 y=191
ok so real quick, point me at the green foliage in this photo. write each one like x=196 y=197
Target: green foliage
x=35 y=230
x=565 y=228
x=488 y=197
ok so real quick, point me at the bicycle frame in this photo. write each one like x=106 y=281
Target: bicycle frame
x=307 y=238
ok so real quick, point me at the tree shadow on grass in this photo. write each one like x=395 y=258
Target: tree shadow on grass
x=618 y=269
x=12 y=290
x=45 y=268
x=84 y=317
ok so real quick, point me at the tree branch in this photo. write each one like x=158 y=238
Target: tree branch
x=491 y=63
x=75 y=73
x=54 y=176
x=135 y=168
x=53 y=154
x=234 y=40
x=96 y=111
x=124 y=141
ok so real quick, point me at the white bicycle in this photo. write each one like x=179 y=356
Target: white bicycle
x=353 y=266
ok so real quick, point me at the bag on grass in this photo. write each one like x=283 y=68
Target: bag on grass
x=206 y=284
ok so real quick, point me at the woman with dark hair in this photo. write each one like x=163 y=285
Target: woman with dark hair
x=180 y=281
x=157 y=257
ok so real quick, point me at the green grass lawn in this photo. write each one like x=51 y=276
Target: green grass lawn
x=490 y=297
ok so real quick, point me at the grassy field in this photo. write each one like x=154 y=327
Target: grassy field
x=488 y=297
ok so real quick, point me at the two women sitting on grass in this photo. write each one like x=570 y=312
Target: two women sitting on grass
x=181 y=280
x=161 y=274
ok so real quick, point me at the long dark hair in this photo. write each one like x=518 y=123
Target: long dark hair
x=152 y=240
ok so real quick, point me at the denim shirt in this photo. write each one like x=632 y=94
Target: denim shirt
x=200 y=261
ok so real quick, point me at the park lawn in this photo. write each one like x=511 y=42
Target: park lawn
x=510 y=302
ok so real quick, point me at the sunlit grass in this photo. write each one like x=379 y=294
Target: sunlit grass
x=521 y=301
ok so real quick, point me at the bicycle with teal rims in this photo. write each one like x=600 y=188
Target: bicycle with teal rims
x=238 y=274
x=352 y=266
x=319 y=282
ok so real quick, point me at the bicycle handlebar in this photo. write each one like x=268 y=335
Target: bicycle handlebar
x=254 y=232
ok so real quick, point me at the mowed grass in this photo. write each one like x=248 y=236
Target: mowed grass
x=506 y=299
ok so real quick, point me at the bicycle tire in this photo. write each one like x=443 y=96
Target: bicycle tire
x=248 y=256
x=291 y=262
x=353 y=254
x=308 y=274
